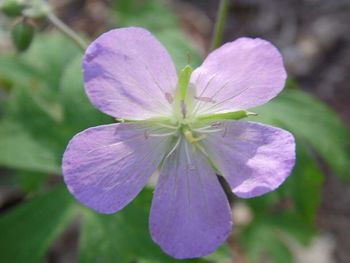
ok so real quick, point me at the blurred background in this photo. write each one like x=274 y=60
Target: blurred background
x=42 y=105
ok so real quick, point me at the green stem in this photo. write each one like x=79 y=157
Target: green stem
x=67 y=31
x=220 y=24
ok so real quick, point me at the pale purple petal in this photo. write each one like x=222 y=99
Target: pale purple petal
x=190 y=214
x=129 y=74
x=239 y=75
x=105 y=167
x=254 y=158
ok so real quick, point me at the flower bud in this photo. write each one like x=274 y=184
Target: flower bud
x=11 y=8
x=22 y=35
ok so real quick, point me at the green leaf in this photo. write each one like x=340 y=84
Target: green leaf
x=22 y=35
x=19 y=149
x=305 y=185
x=29 y=182
x=154 y=15
x=123 y=237
x=28 y=230
x=45 y=108
x=222 y=254
x=11 y=8
x=157 y=17
x=314 y=123
x=260 y=239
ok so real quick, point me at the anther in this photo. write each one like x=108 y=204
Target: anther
x=168 y=97
x=205 y=99
x=183 y=109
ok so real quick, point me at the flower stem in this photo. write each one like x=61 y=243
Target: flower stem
x=219 y=24
x=67 y=31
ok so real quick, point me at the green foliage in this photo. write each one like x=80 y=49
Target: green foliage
x=22 y=35
x=304 y=187
x=30 y=182
x=40 y=113
x=11 y=8
x=154 y=15
x=262 y=239
x=20 y=149
x=28 y=230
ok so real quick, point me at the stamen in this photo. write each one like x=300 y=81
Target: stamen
x=197 y=107
x=174 y=147
x=225 y=100
x=168 y=97
x=205 y=99
x=190 y=138
x=207 y=85
x=183 y=108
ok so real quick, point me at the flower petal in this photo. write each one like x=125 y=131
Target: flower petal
x=129 y=74
x=190 y=214
x=105 y=167
x=254 y=158
x=239 y=75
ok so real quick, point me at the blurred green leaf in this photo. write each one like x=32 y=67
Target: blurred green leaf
x=123 y=237
x=305 y=184
x=28 y=230
x=22 y=35
x=293 y=224
x=19 y=149
x=40 y=114
x=29 y=182
x=11 y=8
x=157 y=17
x=49 y=55
x=222 y=254
x=260 y=239
x=314 y=123
x=154 y=15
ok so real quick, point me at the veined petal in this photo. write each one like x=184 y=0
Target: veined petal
x=239 y=75
x=105 y=167
x=128 y=74
x=190 y=214
x=254 y=158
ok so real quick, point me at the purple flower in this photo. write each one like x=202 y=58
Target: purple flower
x=186 y=126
